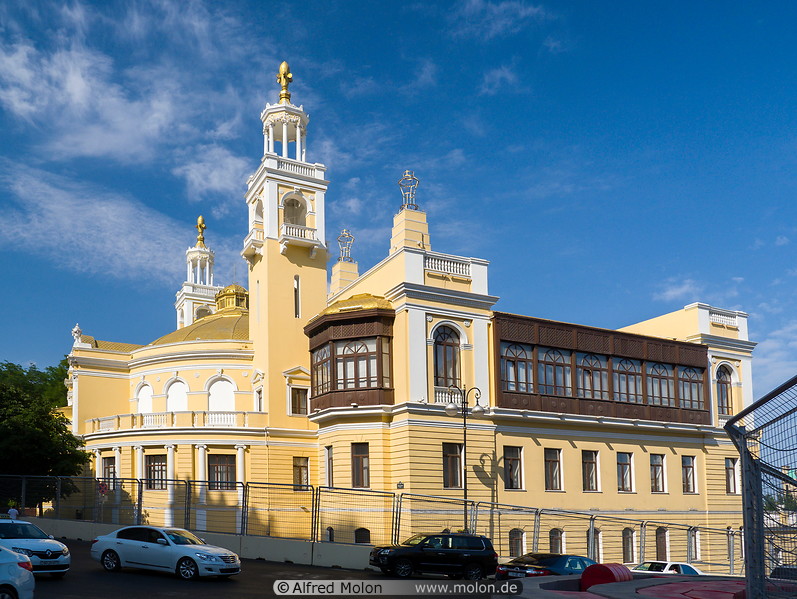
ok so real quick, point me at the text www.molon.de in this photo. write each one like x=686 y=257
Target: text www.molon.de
x=395 y=587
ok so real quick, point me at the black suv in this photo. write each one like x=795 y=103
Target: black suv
x=459 y=555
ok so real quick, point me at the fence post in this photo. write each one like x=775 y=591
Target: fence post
x=314 y=515
x=139 y=502
x=397 y=528
x=187 y=517
x=244 y=509
x=535 y=543
x=591 y=539
x=731 y=550
x=643 y=527
x=689 y=548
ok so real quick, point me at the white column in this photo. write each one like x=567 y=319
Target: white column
x=201 y=487
x=271 y=137
x=188 y=271
x=117 y=486
x=207 y=271
x=140 y=462
x=298 y=141
x=97 y=464
x=168 y=517
x=117 y=461
x=285 y=139
x=265 y=139
x=304 y=145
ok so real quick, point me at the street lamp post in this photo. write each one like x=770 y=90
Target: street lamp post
x=452 y=409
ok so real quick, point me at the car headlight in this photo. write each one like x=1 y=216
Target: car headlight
x=206 y=557
x=22 y=550
x=65 y=550
x=386 y=551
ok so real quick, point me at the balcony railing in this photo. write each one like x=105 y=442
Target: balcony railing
x=444 y=396
x=724 y=318
x=296 y=167
x=447 y=265
x=167 y=420
x=298 y=232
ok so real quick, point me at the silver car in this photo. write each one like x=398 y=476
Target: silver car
x=16 y=576
x=165 y=550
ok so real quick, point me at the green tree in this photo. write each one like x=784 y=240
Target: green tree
x=35 y=439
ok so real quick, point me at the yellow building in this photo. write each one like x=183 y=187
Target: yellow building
x=344 y=381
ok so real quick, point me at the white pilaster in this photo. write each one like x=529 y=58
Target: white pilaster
x=168 y=517
x=285 y=139
x=140 y=462
x=481 y=359
x=298 y=142
x=418 y=384
x=97 y=463
x=271 y=138
x=201 y=475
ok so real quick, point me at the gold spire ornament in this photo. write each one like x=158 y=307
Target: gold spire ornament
x=200 y=226
x=284 y=78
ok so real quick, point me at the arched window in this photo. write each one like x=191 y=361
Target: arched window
x=517 y=367
x=221 y=396
x=724 y=403
x=553 y=372
x=362 y=535
x=691 y=388
x=446 y=357
x=355 y=364
x=661 y=544
x=628 y=545
x=592 y=376
x=259 y=212
x=628 y=381
x=661 y=386
x=177 y=397
x=322 y=370
x=144 y=397
x=556 y=540
x=295 y=212
x=202 y=311
x=515 y=542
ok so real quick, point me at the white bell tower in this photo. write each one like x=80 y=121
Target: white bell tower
x=196 y=297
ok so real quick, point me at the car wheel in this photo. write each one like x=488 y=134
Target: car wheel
x=474 y=572
x=7 y=593
x=187 y=568
x=111 y=562
x=402 y=568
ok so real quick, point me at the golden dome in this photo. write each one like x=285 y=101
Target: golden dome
x=361 y=301
x=229 y=323
x=232 y=296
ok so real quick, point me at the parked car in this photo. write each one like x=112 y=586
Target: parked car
x=165 y=550
x=16 y=575
x=542 y=564
x=459 y=555
x=661 y=567
x=47 y=555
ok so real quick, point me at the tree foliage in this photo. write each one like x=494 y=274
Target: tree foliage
x=35 y=439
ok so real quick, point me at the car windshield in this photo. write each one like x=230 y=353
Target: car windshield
x=21 y=530
x=183 y=537
x=535 y=559
x=651 y=566
x=414 y=540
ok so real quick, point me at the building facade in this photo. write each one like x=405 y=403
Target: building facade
x=345 y=380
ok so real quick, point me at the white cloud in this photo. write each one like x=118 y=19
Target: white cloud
x=213 y=170
x=497 y=80
x=682 y=290
x=781 y=240
x=486 y=20
x=775 y=359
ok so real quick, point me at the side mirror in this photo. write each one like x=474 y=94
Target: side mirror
x=50 y=537
x=203 y=541
x=162 y=541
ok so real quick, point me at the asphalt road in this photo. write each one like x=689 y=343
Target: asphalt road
x=87 y=580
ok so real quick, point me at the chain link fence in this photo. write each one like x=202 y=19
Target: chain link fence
x=764 y=434
x=342 y=515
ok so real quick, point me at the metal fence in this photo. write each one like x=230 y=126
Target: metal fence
x=340 y=515
x=766 y=436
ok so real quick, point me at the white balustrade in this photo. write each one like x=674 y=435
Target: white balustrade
x=220 y=418
x=155 y=420
x=449 y=266
x=722 y=318
x=298 y=231
x=296 y=167
x=444 y=396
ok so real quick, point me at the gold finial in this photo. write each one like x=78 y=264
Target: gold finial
x=284 y=78
x=200 y=226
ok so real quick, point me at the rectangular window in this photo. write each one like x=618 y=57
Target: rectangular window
x=512 y=468
x=731 y=478
x=330 y=470
x=298 y=401
x=517 y=367
x=360 y=477
x=661 y=385
x=297 y=306
x=221 y=472
x=589 y=470
x=356 y=364
x=301 y=473
x=155 y=471
x=553 y=470
x=553 y=372
x=322 y=370
x=624 y=478
x=109 y=471
x=688 y=473
x=592 y=376
x=656 y=473
x=691 y=388
x=452 y=466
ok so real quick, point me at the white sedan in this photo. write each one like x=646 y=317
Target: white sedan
x=47 y=555
x=662 y=567
x=16 y=575
x=163 y=549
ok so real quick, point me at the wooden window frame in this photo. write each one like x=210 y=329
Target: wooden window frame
x=513 y=467
x=517 y=361
x=625 y=472
x=553 y=469
x=360 y=466
x=589 y=479
x=452 y=465
x=155 y=471
x=447 y=358
x=221 y=474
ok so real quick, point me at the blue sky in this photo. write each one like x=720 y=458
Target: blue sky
x=614 y=161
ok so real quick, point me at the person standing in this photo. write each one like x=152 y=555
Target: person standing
x=13 y=512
